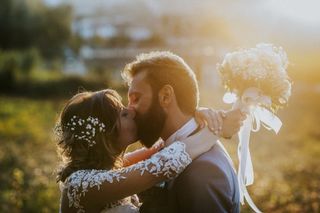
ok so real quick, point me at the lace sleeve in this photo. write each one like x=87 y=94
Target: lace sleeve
x=117 y=184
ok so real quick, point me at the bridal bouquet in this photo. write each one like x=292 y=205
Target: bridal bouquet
x=257 y=82
x=264 y=68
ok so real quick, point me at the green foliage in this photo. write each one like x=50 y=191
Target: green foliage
x=44 y=84
x=29 y=60
x=27 y=156
x=54 y=30
x=15 y=63
x=63 y=87
x=23 y=27
x=8 y=65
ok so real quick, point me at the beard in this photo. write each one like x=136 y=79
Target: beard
x=150 y=124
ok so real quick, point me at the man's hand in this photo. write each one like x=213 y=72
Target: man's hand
x=232 y=122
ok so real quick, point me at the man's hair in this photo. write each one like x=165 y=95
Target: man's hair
x=162 y=68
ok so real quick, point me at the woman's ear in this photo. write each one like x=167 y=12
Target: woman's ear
x=166 y=95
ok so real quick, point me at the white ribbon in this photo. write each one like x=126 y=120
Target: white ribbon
x=251 y=102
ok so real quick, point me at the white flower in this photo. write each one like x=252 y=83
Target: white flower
x=89 y=123
x=263 y=67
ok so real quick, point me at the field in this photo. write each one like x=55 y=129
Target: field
x=287 y=171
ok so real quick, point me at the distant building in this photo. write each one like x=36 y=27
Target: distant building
x=140 y=20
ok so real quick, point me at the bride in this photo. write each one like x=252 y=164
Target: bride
x=94 y=129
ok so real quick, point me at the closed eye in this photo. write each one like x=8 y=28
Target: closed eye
x=134 y=98
x=124 y=114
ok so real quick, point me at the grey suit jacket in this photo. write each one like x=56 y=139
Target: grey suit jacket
x=208 y=184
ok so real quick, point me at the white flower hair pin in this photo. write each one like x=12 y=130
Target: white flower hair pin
x=85 y=129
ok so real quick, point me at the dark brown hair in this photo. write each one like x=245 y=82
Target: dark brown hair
x=163 y=68
x=76 y=154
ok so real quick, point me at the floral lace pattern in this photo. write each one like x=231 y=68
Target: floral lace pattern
x=169 y=162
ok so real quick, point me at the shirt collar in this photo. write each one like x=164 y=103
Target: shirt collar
x=183 y=132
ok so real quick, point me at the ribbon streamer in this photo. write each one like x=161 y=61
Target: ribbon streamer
x=250 y=102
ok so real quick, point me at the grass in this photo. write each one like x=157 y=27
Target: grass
x=287 y=173
x=27 y=156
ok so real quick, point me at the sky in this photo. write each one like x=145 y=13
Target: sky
x=303 y=11
x=295 y=22
x=292 y=23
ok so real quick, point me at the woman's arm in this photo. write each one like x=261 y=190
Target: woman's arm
x=141 y=154
x=91 y=190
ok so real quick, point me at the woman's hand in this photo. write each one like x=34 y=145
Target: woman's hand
x=210 y=117
x=222 y=123
x=232 y=123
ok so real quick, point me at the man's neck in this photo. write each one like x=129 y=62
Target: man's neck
x=173 y=124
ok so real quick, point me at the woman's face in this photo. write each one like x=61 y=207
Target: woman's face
x=127 y=130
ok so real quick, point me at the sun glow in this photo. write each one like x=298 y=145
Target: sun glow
x=306 y=12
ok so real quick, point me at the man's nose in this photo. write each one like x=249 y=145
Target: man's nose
x=131 y=105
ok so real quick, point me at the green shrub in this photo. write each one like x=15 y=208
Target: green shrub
x=14 y=64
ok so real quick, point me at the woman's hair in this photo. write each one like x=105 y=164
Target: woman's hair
x=97 y=151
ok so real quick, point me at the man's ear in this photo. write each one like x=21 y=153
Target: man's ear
x=166 y=95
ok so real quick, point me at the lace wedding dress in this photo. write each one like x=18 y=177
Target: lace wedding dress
x=168 y=163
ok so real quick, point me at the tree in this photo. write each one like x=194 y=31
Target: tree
x=54 y=30
x=45 y=28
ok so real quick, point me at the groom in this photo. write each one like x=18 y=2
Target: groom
x=164 y=93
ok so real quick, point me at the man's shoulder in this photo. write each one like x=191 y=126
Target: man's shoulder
x=209 y=183
x=215 y=160
x=213 y=167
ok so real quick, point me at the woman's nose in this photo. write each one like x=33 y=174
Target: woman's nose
x=131 y=112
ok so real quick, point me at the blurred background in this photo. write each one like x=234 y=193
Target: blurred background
x=51 y=49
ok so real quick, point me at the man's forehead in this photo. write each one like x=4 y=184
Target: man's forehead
x=139 y=77
x=138 y=82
